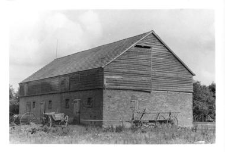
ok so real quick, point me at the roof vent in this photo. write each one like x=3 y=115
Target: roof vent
x=142 y=46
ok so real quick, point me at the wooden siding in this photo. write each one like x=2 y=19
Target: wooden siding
x=84 y=80
x=44 y=86
x=64 y=83
x=167 y=72
x=131 y=70
x=89 y=79
x=148 y=69
x=21 y=90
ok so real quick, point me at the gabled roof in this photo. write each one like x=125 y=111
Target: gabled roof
x=173 y=53
x=90 y=59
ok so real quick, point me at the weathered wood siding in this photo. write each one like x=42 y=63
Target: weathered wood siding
x=131 y=70
x=167 y=72
x=84 y=80
x=154 y=68
x=21 y=90
x=90 y=79
x=44 y=86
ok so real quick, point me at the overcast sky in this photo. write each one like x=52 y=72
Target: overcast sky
x=33 y=36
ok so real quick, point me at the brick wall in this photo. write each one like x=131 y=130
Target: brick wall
x=58 y=104
x=55 y=98
x=87 y=112
x=117 y=105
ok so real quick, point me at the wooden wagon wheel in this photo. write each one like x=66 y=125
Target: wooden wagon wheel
x=137 y=123
x=161 y=119
x=49 y=121
x=66 y=119
x=198 y=118
x=16 y=119
x=172 y=121
x=27 y=118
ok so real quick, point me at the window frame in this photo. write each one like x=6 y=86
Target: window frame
x=33 y=104
x=67 y=104
x=89 y=102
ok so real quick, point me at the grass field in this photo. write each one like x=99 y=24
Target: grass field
x=74 y=134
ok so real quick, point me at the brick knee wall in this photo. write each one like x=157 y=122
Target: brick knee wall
x=58 y=105
x=55 y=98
x=117 y=105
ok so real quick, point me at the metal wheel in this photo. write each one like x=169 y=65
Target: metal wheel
x=172 y=121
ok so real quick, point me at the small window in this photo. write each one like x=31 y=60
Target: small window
x=49 y=104
x=63 y=82
x=89 y=102
x=142 y=46
x=33 y=104
x=67 y=106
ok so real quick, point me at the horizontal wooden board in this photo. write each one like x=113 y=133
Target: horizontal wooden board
x=130 y=70
x=43 y=86
x=167 y=72
x=89 y=79
x=21 y=90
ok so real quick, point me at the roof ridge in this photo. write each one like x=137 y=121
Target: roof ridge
x=146 y=34
x=104 y=45
x=102 y=50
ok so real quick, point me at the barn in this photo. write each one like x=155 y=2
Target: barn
x=105 y=83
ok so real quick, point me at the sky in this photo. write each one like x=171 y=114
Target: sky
x=36 y=35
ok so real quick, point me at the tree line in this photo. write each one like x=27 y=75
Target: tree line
x=204 y=98
x=204 y=102
x=13 y=101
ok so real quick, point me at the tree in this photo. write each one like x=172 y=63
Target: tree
x=204 y=101
x=13 y=101
x=212 y=88
x=11 y=92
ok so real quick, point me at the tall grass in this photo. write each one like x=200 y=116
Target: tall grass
x=111 y=135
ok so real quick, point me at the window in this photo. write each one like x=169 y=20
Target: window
x=49 y=104
x=89 y=102
x=67 y=106
x=33 y=104
x=143 y=46
x=63 y=82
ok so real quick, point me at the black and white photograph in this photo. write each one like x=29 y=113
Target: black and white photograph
x=112 y=76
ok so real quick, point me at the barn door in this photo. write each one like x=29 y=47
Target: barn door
x=28 y=107
x=42 y=109
x=76 y=111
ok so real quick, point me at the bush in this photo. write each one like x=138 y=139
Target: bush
x=13 y=109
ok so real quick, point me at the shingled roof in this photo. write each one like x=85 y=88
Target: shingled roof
x=84 y=60
x=88 y=59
